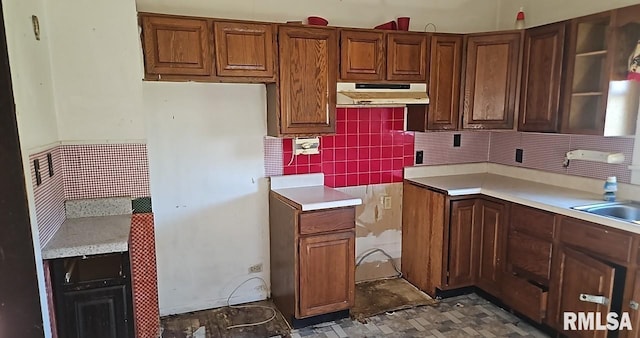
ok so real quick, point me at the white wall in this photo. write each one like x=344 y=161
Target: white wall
x=33 y=96
x=209 y=191
x=447 y=15
x=539 y=12
x=97 y=70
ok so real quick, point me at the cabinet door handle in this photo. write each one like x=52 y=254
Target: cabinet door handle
x=594 y=299
x=634 y=305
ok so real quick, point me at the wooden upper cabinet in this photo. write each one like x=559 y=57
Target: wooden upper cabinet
x=407 y=57
x=176 y=46
x=444 y=81
x=491 y=80
x=362 y=55
x=308 y=78
x=541 y=75
x=244 y=49
x=587 y=83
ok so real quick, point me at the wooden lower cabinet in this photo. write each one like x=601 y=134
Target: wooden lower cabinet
x=423 y=231
x=463 y=244
x=327 y=273
x=312 y=259
x=491 y=234
x=538 y=263
x=578 y=276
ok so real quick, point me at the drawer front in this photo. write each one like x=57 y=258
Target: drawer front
x=607 y=242
x=525 y=297
x=529 y=254
x=327 y=220
x=532 y=221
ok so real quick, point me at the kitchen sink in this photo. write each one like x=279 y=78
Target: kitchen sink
x=627 y=211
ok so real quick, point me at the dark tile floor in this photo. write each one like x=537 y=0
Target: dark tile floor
x=462 y=316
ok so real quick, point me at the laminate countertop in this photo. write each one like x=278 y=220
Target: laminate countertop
x=318 y=197
x=89 y=236
x=551 y=198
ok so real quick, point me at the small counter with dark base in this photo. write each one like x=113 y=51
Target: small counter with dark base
x=312 y=242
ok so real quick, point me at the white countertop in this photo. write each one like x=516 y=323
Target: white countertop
x=318 y=197
x=541 y=196
x=89 y=236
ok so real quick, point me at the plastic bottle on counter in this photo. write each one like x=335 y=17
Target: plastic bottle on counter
x=610 y=188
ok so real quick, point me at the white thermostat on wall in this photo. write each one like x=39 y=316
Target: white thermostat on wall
x=307 y=146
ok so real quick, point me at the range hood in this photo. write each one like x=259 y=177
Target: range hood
x=358 y=94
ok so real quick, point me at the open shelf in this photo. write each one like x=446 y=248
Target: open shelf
x=592 y=36
x=583 y=114
x=587 y=94
x=587 y=76
x=593 y=53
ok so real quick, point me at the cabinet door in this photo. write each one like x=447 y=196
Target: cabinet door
x=587 y=79
x=308 y=77
x=423 y=237
x=492 y=216
x=444 y=81
x=362 y=55
x=176 y=46
x=407 y=57
x=578 y=274
x=97 y=313
x=491 y=80
x=541 y=74
x=327 y=273
x=244 y=49
x=463 y=244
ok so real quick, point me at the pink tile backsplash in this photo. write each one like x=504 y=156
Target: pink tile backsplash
x=502 y=147
x=86 y=171
x=369 y=147
x=438 y=147
x=49 y=195
x=544 y=151
x=272 y=156
x=602 y=170
x=366 y=148
x=547 y=151
x=105 y=170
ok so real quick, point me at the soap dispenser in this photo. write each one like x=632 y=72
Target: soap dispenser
x=610 y=188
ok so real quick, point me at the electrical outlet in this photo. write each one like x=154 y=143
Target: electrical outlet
x=36 y=167
x=419 y=157
x=457 y=140
x=519 y=155
x=255 y=268
x=50 y=164
x=386 y=202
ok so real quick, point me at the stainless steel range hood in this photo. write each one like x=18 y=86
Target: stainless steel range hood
x=358 y=94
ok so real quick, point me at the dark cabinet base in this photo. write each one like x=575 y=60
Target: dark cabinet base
x=92 y=296
x=97 y=313
x=328 y=317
